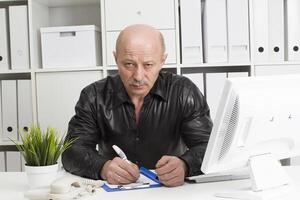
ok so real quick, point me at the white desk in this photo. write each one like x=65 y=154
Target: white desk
x=14 y=184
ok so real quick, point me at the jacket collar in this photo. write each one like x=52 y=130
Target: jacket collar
x=120 y=95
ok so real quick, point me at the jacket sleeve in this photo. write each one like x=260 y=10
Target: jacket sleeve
x=82 y=158
x=196 y=128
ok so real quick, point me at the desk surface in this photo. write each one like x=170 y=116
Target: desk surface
x=14 y=184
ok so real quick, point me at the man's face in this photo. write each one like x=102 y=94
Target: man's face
x=139 y=63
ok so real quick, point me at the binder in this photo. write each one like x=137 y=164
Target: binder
x=4 y=61
x=197 y=79
x=215 y=31
x=148 y=180
x=276 y=30
x=24 y=104
x=191 y=31
x=2 y=162
x=9 y=110
x=260 y=30
x=19 y=47
x=238 y=30
x=214 y=88
x=1 y=113
x=13 y=161
x=293 y=30
x=237 y=74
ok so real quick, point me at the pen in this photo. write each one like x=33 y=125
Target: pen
x=120 y=153
x=133 y=186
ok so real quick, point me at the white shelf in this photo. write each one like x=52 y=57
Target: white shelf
x=68 y=69
x=277 y=63
x=7 y=143
x=58 y=3
x=213 y=65
x=25 y=71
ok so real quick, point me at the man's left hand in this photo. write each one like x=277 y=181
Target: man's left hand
x=171 y=171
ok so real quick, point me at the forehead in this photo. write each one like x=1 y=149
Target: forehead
x=139 y=38
x=139 y=49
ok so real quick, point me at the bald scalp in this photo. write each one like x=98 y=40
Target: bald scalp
x=142 y=30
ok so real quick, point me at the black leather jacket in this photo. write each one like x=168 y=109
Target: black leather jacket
x=174 y=120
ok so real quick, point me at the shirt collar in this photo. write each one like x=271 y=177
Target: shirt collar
x=121 y=96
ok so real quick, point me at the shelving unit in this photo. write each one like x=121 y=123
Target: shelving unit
x=55 y=91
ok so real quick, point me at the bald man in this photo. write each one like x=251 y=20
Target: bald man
x=160 y=120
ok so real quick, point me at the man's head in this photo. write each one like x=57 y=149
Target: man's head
x=140 y=55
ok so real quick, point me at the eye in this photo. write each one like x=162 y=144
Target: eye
x=129 y=64
x=148 y=65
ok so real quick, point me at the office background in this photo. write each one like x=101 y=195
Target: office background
x=51 y=49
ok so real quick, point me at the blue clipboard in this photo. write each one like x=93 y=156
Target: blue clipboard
x=145 y=172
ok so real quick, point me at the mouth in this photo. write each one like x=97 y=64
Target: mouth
x=138 y=87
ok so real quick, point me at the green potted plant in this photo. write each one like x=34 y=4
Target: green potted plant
x=41 y=151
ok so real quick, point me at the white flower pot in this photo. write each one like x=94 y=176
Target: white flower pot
x=41 y=176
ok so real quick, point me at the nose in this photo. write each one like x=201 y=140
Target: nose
x=138 y=73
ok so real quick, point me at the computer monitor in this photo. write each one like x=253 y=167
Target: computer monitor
x=257 y=124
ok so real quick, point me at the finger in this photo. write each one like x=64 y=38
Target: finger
x=168 y=176
x=172 y=179
x=177 y=181
x=167 y=168
x=117 y=170
x=164 y=160
x=122 y=180
x=131 y=169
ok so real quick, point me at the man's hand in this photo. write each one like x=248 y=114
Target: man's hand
x=119 y=171
x=171 y=171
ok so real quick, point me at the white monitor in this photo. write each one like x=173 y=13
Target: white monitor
x=257 y=124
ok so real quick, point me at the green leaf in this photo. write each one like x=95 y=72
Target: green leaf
x=41 y=148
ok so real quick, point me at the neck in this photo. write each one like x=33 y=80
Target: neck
x=138 y=103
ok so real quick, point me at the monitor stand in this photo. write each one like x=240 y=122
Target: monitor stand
x=268 y=180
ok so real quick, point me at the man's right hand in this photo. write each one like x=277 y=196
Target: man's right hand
x=119 y=171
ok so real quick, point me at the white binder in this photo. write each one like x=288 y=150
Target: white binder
x=238 y=30
x=24 y=104
x=2 y=162
x=1 y=113
x=293 y=30
x=260 y=30
x=214 y=88
x=197 y=79
x=9 y=110
x=19 y=45
x=191 y=31
x=215 y=31
x=13 y=161
x=276 y=30
x=4 y=61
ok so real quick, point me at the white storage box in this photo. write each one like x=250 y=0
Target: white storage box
x=71 y=46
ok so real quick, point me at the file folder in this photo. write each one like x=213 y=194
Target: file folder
x=4 y=61
x=260 y=30
x=214 y=88
x=24 y=104
x=9 y=110
x=293 y=30
x=148 y=179
x=215 y=31
x=197 y=79
x=238 y=31
x=13 y=161
x=19 y=46
x=2 y=162
x=191 y=31
x=276 y=30
x=1 y=113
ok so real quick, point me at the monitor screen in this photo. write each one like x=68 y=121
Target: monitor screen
x=256 y=115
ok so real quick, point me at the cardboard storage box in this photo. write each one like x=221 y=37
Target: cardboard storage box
x=71 y=46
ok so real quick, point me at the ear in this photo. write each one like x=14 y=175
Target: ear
x=164 y=57
x=115 y=56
